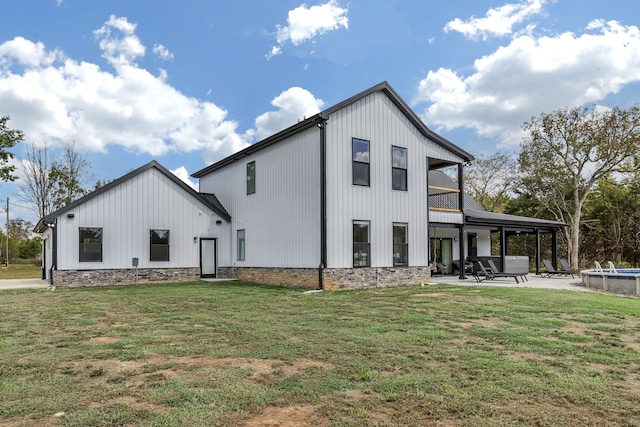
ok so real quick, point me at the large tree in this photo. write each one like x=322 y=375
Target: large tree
x=37 y=186
x=490 y=180
x=70 y=173
x=566 y=152
x=51 y=183
x=8 y=139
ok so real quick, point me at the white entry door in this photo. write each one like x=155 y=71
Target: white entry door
x=208 y=254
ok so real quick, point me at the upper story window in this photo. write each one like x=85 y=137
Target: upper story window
x=240 y=245
x=251 y=177
x=400 y=244
x=399 y=168
x=90 y=244
x=360 y=157
x=361 y=244
x=159 y=242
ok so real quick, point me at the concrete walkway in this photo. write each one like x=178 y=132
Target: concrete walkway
x=23 y=284
x=534 y=281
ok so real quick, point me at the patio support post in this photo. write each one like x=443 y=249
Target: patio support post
x=503 y=246
x=461 y=229
x=537 y=251
x=554 y=248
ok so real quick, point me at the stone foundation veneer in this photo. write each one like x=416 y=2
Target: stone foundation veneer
x=333 y=278
x=124 y=276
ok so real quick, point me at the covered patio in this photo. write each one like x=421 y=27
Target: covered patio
x=461 y=229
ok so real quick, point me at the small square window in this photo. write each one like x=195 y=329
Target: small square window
x=159 y=245
x=90 y=244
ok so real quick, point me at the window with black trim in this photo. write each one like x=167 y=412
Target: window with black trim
x=159 y=242
x=400 y=244
x=360 y=157
x=361 y=244
x=90 y=244
x=251 y=177
x=399 y=168
x=240 y=245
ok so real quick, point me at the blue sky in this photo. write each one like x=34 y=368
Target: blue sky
x=188 y=83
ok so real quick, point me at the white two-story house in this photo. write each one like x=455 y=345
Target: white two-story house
x=342 y=199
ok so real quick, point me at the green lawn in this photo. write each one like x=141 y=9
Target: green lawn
x=20 y=271
x=235 y=354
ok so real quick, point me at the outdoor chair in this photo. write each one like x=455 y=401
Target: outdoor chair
x=468 y=266
x=438 y=269
x=554 y=272
x=488 y=274
x=494 y=269
x=565 y=266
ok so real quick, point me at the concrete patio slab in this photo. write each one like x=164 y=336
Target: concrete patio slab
x=533 y=281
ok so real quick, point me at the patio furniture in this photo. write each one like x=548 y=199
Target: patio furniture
x=437 y=268
x=468 y=266
x=565 y=266
x=494 y=269
x=486 y=273
x=551 y=271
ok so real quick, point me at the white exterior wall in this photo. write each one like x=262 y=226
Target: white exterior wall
x=376 y=119
x=127 y=213
x=484 y=242
x=282 y=218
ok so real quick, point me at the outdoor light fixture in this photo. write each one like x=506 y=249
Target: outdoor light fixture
x=195 y=240
x=218 y=222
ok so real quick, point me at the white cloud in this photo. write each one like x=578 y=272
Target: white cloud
x=51 y=96
x=119 y=44
x=183 y=175
x=293 y=104
x=162 y=52
x=498 y=22
x=531 y=75
x=304 y=23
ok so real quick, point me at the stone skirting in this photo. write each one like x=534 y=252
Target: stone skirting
x=332 y=278
x=305 y=278
x=356 y=278
x=124 y=276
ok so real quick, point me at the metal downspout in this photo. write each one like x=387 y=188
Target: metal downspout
x=323 y=202
x=54 y=250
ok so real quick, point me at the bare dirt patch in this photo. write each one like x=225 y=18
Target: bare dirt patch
x=433 y=295
x=259 y=367
x=290 y=416
x=104 y=340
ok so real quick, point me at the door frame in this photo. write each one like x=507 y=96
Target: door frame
x=215 y=257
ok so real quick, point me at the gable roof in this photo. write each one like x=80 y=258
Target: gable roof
x=323 y=116
x=209 y=200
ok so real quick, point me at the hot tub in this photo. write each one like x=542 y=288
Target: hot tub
x=619 y=281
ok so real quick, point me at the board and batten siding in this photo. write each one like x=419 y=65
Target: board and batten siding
x=282 y=218
x=127 y=213
x=376 y=119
